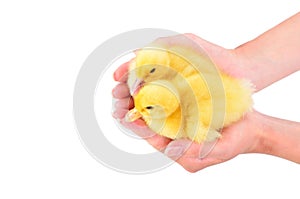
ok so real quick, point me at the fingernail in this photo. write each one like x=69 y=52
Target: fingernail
x=174 y=151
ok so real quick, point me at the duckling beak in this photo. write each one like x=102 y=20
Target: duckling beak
x=132 y=115
x=136 y=86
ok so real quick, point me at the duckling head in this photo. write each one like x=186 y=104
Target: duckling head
x=155 y=100
x=149 y=65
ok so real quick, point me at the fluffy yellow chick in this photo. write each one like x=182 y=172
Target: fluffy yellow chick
x=185 y=96
x=159 y=62
x=158 y=104
x=172 y=115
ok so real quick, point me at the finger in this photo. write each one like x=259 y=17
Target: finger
x=186 y=153
x=189 y=41
x=216 y=53
x=178 y=148
x=175 y=40
x=141 y=129
x=119 y=113
x=159 y=142
x=187 y=148
x=121 y=91
x=193 y=37
x=125 y=103
x=198 y=40
x=194 y=164
x=121 y=74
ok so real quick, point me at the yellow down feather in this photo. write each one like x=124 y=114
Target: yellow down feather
x=183 y=95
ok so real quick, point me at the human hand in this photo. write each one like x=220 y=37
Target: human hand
x=263 y=61
x=125 y=103
x=235 y=139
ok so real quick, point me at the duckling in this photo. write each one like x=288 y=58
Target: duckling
x=184 y=95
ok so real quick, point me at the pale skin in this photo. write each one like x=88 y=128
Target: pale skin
x=264 y=60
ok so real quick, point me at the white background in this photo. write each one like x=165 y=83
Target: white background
x=42 y=47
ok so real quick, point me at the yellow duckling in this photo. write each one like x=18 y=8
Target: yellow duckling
x=158 y=104
x=160 y=62
x=185 y=96
x=172 y=115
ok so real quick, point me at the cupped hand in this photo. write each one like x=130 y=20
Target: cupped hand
x=241 y=137
x=124 y=103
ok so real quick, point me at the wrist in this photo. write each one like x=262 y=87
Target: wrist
x=272 y=55
x=277 y=137
x=258 y=130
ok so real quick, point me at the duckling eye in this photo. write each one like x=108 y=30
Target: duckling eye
x=152 y=70
x=149 y=107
